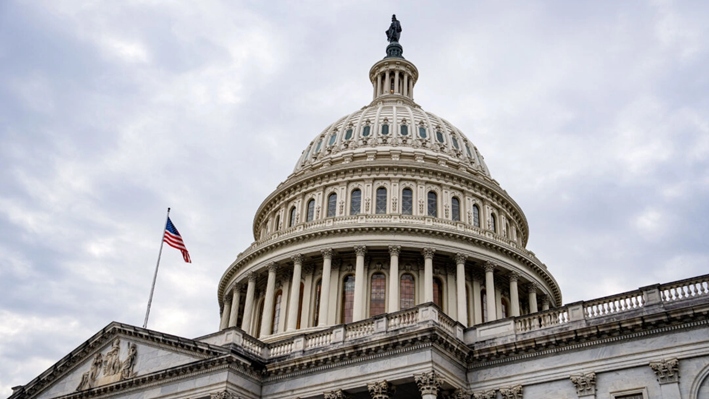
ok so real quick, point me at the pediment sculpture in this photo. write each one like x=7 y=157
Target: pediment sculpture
x=109 y=368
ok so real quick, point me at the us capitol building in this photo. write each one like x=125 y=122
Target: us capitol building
x=390 y=264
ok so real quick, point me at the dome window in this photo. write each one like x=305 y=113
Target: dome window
x=422 y=132
x=404 y=130
x=407 y=289
x=407 y=201
x=291 y=221
x=317 y=148
x=467 y=148
x=476 y=216
x=348 y=134
x=432 y=204
x=333 y=138
x=455 y=143
x=311 y=210
x=366 y=131
x=381 y=204
x=455 y=209
x=331 y=205
x=439 y=136
x=377 y=296
x=385 y=127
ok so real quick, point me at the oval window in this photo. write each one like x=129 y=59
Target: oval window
x=455 y=143
x=348 y=134
x=365 y=131
x=333 y=138
x=422 y=132
x=404 y=130
x=439 y=136
x=385 y=129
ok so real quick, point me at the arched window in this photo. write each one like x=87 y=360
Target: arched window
x=348 y=298
x=476 y=216
x=291 y=221
x=278 y=222
x=318 y=290
x=377 y=297
x=311 y=210
x=455 y=209
x=438 y=292
x=277 y=311
x=331 y=205
x=493 y=223
x=406 y=291
x=381 y=200
x=432 y=204
x=356 y=202
x=407 y=202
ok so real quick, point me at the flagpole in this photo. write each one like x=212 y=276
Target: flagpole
x=155 y=276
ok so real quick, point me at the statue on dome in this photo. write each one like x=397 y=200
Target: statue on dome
x=394 y=31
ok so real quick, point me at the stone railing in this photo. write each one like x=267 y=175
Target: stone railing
x=281 y=348
x=658 y=294
x=404 y=318
x=685 y=289
x=359 y=329
x=252 y=345
x=614 y=304
x=323 y=338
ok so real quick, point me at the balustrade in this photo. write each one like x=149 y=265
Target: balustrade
x=318 y=339
x=360 y=329
x=404 y=318
x=614 y=304
x=541 y=320
x=685 y=289
x=281 y=348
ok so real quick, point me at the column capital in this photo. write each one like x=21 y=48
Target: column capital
x=514 y=276
x=428 y=383
x=428 y=252
x=533 y=286
x=394 y=250
x=460 y=258
x=360 y=250
x=338 y=394
x=489 y=267
x=252 y=276
x=585 y=383
x=326 y=253
x=666 y=370
x=381 y=389
x=272 y=267
x=460 y=394
x=223 y=395
x=491 y=394
x=297 y=258
x=514 y=392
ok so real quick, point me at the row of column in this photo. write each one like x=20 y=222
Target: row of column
x=383 y=85
x=231 y=308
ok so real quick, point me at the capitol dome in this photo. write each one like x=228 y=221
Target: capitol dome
x=389 y=207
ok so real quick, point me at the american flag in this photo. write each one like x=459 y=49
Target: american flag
x=174 y=239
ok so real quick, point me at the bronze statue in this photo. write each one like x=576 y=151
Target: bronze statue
x=394 y=31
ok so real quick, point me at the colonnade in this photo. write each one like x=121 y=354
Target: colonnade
x=428 y=384
x=402 y=84
x=466 y=297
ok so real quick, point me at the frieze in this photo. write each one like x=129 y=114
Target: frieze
x=109 y=368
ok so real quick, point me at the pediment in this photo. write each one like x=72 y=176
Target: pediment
x=118 y=353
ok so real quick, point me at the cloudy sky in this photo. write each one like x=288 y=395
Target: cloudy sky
x=593 y=115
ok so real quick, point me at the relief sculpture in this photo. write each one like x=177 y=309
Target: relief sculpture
x=109 y=368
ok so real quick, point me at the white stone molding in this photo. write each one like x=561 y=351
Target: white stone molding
x=585 y=384
x=429 y=383
x=381 y=389
x=666 y=370
x=514 y=392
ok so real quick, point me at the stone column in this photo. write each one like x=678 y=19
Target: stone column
x=394 y=304
x=325 y=286
x=428 y=274
x=396 y=82
x=533 y=298
x=514 y=295
x=249 y=304
x=545 y=303
x=585 y=385
x=224 y=322
x=429 y=384
x=490 y=291
x=235 y=302
x=406 y=88
x=294 y=292
x=667 y=372
x=387 y=85
x=358 y=310
x=460 y=289
x=267 y=316
x=381 y=390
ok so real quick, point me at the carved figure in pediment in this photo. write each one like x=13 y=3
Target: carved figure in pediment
x=89 y=378
x=128 y=364
x=112 y=361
